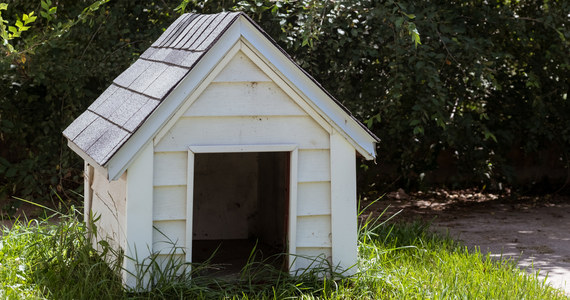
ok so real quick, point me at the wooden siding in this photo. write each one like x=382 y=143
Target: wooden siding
x=314 y=165
x=314 y=231
x=172 y=204
x=241 y=69
x=245 y=110
x=244 y=99
x=170 y=168
x=235 y=130
x=313 y=257
x=313 y=198
x=166 y=262
x=168 y=234
x=109 y=202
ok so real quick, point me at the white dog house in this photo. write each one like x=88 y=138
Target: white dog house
x=215 y=136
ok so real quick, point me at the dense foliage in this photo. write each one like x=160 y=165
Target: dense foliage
x=469 y=84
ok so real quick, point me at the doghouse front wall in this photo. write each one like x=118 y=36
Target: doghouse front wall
x=248 y=109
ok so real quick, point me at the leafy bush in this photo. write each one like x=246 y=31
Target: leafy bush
x=467 y=84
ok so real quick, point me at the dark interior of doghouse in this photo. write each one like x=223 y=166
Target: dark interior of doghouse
x=240 y=202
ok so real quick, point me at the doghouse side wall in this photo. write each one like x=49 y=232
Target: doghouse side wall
x=243 y=106
x=108 y=205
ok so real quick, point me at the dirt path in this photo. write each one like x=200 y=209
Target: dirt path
x=534 y=232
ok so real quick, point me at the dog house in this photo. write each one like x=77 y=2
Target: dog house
x=213 y=138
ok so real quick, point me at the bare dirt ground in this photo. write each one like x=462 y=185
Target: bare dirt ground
x=533 y=231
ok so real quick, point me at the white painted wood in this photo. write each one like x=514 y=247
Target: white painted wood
x=189 y=203
x=169 y=203
x=319 y=257
x=343 y=203
x=314 y=231
x=314 y=165
x=284 y=85
x=240 y=69
x=170 y=168
x=169 y=236
x=244 y=130
x=88 y=174
x=109 y=201
x=197 y=79
x=314 y=198
x=349 y=127
x=138 y=214
x=243 y=148
x=293 y=200
x=166 y=262
x=190 y=98
x=244 y=99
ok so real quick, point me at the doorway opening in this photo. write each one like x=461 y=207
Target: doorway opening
x=240 y=202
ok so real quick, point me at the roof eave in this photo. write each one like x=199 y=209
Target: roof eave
x=100 y=169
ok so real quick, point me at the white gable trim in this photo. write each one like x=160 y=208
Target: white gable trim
x=274 y=75
x=349 y=128
x=311 y=97
x=248 y=52
x=227 y=57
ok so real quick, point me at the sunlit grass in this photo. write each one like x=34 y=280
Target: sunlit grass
x=53 y=260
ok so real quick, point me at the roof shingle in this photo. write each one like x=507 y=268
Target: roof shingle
x=114 y=116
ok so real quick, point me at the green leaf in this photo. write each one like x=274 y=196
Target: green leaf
x=490 y=135
x=418 y=130
x=399 y=22
x=45 y=5
x=13 y=29
x=3 y=6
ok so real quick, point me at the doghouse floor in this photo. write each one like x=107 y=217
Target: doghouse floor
x=232 y=255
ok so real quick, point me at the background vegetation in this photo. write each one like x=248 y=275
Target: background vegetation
x=460 y=92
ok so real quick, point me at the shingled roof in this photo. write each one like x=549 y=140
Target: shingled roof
x=117 y=113
x=115 y=116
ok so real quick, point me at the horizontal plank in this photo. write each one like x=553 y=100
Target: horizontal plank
x=187 y=131
x=243 y=148
x=314 y=165
x=244 y=99
x=170 y=168
x=167 y=235
x=314 y=231
x=313 y=257
x=171 y=264
x=241 y=68
x=169 y=203
x=314 y=198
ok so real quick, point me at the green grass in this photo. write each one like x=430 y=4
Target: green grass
x=41 y=259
